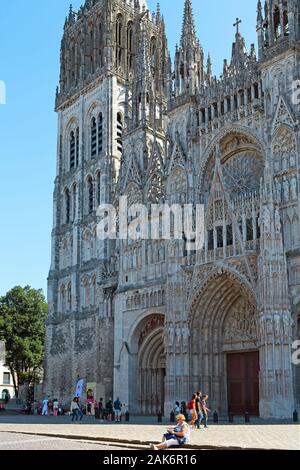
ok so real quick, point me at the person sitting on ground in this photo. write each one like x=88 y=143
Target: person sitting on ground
x=176 y=437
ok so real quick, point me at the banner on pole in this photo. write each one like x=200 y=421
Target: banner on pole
x=79 y=388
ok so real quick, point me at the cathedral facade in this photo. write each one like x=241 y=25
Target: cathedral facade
x=152 y=321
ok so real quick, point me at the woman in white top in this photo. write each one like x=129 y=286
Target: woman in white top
x=55 y=407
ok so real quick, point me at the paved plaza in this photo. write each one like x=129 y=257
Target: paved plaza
x=256 y=435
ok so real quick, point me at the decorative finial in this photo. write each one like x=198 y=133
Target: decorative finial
x=237 y=25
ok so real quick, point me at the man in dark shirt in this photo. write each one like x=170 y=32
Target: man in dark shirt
x=199 y=410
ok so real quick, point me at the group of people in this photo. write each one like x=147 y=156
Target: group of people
x=49 y=407
x=111 y=410
x=188 y=415
x=195 y=411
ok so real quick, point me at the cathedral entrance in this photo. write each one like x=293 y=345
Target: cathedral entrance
x=147 y=367
x=243 y=383
x=225 y=345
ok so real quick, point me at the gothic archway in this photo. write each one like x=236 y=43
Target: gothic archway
x=147 y=366
x=224 y=322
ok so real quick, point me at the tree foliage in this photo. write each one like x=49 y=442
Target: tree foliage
x=22 y=328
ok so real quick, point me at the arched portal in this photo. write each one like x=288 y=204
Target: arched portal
x=225 y=357
x=147 y=366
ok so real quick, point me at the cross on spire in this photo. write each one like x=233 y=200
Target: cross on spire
x=237 y=24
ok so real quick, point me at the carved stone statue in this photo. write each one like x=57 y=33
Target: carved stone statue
x=178 y=335
x=185 y=338
x=278 y=190
x=277 y=221
x=294 y=188
x=171 y=334
x=286 y=190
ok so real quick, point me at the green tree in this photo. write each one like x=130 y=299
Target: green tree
x=22 y=328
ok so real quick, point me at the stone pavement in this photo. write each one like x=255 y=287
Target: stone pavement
x=256 y=435
x=9 y=441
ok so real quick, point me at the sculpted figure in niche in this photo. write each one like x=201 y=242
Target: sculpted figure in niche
x=278 y=190
x=178 y=335
x=286 y=190
x=171 y=334
x=294 y=188
x=277 y=221
x=185 y=337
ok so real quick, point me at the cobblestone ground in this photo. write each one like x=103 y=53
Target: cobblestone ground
x=257 y=435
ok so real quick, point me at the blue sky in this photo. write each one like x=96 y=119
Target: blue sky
x=30 y=33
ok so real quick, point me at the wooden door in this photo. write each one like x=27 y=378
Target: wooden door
x=243 y=383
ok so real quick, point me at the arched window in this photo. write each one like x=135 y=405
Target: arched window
x=92 y=51
x=90 y=190
x=77 y=147
x=63 y=298
x=129 y=46
x=119 y=28
x=119 y=132
x=276 y=22
x=94 y=291
x=153 y=53
x=69 y=297
x=100 y=44
x=72 y=150
x=100 y=133
x=74 y=199
x=67 y=205
x=98 y=177
x=93 y=138
x=286 y=30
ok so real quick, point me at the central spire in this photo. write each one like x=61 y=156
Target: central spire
x=188 y=27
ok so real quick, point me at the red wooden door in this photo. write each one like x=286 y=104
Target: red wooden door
x=243 y=383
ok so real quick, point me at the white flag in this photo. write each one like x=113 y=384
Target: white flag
x=79 y=388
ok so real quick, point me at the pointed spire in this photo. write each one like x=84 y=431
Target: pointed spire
x=188 y=27
x=238 y=47
x=209 y=66
x=259 y=14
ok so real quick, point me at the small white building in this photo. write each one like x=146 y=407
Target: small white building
x=6 y=381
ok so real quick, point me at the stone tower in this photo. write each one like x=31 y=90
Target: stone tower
x=100 y=56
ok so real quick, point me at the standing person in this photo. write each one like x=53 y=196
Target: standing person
x=109 y=409
x=55 y=407
x=205 y=410
x=199 y=410
x=101 y=410
x=80 y=407
x=89 y=408
x=118 y=410
x=177 y=409
x=192 y=410
x=45 y=406
x=36 y=407
x=184 y=409
x=50 y=407
x=74 y=409
x=29 y=405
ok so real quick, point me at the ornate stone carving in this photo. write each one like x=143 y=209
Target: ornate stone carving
x=157 y=321
x=241 y=324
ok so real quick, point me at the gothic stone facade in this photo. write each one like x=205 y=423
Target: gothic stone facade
x=150 y=321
